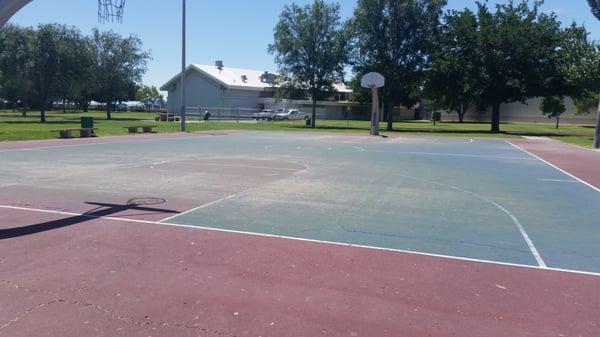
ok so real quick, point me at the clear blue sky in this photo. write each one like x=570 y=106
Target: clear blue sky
x=235 y=31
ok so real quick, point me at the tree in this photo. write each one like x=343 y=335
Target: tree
x=119 y=66
x=454 y=77
x=47 y=65
x=518 y=48
x=310 y=47
x=553 y=107
x=149 y=95
x=360 y=94
x=595 y=5
x=77 y=71
x=15 y=63
x=396 y=39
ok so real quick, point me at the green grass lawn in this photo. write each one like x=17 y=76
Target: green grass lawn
x=15 y=127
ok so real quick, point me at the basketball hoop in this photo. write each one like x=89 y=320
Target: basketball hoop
x=110 y=10
x=374 y=81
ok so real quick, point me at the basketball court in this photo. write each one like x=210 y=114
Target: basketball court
x=272 y=234
x=294 y=234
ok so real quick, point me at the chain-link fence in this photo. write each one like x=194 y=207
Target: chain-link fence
x=220 y=114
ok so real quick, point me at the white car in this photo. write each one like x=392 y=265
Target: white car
x=263 y=115
x=291 y=114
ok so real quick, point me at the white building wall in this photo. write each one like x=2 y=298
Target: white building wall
x=242 y=99
x=199 y=90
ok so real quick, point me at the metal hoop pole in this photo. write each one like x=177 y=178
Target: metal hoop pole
x=182 y=85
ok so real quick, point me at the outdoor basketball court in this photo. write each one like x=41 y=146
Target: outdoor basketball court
x=273 y=234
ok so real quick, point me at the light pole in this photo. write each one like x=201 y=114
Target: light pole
x=182 y=84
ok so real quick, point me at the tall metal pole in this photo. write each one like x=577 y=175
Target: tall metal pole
x=596 y=144
x=182 y=85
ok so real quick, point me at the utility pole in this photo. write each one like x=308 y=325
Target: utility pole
x=183 y=65
x=597 y=134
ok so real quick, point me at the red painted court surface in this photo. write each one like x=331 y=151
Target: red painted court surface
x=76 y=259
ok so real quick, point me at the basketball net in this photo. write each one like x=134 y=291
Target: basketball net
x=110 y=10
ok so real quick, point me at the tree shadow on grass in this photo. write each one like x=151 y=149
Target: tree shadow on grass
x=102 y=210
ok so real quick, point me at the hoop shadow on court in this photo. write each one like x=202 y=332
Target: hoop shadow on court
x=102 y=210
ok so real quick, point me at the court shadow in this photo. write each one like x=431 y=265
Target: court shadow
x=101 y=210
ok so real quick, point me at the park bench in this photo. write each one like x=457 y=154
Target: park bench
x=136 y=128
x=166 y=117
x=68 y=133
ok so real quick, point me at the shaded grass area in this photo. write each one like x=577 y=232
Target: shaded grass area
x=15 y=127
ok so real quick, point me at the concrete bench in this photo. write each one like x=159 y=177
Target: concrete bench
x=136 y=128
x=83 y=132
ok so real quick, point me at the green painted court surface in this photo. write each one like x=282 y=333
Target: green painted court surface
x=477 y=199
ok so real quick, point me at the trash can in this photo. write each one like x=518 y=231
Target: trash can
x=88 y=123
x=308 y=121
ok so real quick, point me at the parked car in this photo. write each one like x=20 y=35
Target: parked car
x=121 y=107
x=291 y=114
x=263 y=115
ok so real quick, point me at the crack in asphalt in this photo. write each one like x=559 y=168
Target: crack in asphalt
x=98 y=307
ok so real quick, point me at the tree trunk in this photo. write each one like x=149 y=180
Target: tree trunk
x=496 y=118
x=389 y=107
x=461 y=113
x=108 y=115
x=597 y=134
x=557 y=121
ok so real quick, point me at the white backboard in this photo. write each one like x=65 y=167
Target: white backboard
x=372 y=80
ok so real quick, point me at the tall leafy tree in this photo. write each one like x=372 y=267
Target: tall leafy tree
x=454 y=76
x=396 y=39
x=595 y=5
x=16 y=45
x=310 y=48
x=77 y=70
x=47 y=64
x=518 y=47
x=119 y=66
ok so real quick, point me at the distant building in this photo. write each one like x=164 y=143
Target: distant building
x=221 y=87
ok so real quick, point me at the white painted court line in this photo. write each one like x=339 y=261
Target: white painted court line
x=559 y=180
x=200 y=207
x=528 y=241
x=456 y=258
x=556 y=167
x=74 y=214
x=253 y=166
x=214 y=202
x=119 y=141
x=442 y=154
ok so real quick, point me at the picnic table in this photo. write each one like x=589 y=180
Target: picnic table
x=166 y=117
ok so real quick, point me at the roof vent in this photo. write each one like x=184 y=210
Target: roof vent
x=245 y=78
x=219 y=65
x=267 y=77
